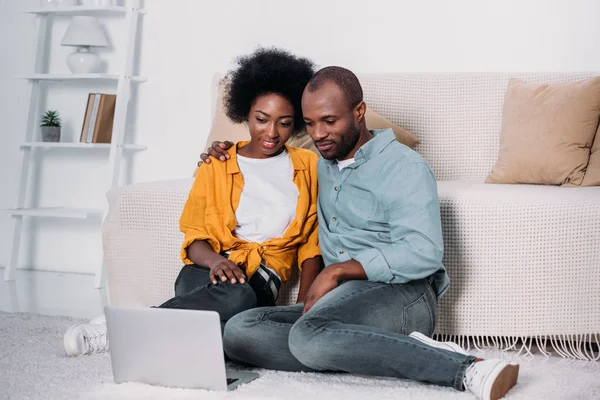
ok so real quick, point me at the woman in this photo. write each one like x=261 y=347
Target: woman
x=249 y=220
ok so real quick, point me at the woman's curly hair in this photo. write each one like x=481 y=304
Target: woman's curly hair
x=262 y=72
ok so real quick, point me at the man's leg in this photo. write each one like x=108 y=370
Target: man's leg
x=361 y=327
x=259 y=337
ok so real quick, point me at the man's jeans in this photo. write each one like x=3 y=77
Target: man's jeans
x=195 y=291
x=360 y=327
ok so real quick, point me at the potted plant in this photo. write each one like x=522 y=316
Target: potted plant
x=51 y=126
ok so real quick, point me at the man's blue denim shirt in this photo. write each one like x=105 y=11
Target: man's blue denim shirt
x=383 y=211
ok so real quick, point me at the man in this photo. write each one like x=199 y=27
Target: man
x=372 y=309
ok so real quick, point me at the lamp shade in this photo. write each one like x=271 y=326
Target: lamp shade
x=84 y=31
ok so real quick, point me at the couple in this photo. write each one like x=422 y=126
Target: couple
x=372 y=308
x=251 y=216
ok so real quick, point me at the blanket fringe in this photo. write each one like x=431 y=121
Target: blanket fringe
x=580 y=347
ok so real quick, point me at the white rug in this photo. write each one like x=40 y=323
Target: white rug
x=33 y=366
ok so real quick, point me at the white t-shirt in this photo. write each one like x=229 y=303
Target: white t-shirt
x=344 y=163
x=269 y=198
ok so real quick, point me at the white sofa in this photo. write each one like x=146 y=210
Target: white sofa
x=524 y=260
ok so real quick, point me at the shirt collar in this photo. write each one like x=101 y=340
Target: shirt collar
x=381 y=138
x=233 y=167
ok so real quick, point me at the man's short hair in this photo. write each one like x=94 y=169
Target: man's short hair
x=342 y=77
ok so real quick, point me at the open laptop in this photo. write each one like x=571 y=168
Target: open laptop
x=169 y=347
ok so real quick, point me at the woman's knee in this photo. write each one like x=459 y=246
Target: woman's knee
x=233 y=299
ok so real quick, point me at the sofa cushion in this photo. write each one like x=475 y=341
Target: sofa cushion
x=592 y=173
x=534 y=243
x=478 y=191
x=547 y=132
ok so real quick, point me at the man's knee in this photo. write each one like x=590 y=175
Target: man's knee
x=238 y=336
x=307 y=343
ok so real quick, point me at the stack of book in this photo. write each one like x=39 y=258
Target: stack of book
x=98 y=120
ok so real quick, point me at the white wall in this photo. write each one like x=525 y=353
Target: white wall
x=184 y=42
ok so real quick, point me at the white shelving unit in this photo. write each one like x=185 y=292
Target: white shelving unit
x=74 y=77
x=123 y=81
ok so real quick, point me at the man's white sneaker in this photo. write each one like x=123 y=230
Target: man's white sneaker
x=450 y=346
x=491 y=379
x=83 y=339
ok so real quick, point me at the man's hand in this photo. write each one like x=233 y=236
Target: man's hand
x=329 y=279
x=310 y=269
x=218 y=150
x=325 y=282
x=225 y=270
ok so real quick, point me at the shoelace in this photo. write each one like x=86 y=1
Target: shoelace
x=96 y=339
x=470 y=375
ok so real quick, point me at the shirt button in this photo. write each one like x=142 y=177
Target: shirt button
x=337 y=188
x=341 y=251
x=334 y=219
x=264 y=247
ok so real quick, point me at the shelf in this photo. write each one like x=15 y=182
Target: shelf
x=80 y=77
x=74 y=145
x=79 y=10
x=56 y=212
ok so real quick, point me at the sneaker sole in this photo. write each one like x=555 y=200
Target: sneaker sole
x=506 y=380
x=440 y=345
x=71 y=347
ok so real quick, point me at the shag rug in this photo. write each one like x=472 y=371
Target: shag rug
x=33 y=366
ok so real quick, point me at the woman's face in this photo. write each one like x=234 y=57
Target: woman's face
x=271 y=123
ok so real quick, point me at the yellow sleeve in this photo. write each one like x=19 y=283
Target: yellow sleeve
x=192 y=221
x=310 y=248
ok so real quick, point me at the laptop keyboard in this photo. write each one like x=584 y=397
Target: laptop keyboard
x=231 y=380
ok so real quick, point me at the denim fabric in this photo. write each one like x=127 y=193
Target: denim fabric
x=383 y=211
x=360 y=327
x=195 y=291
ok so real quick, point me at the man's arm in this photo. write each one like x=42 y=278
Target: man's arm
x=412 y=208
x=329 y=279
x=310 y=269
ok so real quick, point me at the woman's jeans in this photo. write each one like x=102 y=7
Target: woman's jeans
x=195 y=291
x=360 y=327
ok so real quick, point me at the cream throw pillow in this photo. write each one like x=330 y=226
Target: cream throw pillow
x=223 y=129
x=547 y=131
x=592 y=174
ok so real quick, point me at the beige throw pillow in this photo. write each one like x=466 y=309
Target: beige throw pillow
x=592 y=174
x=223 y=129
x=547 y=131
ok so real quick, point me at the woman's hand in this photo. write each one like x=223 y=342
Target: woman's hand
x=227 y=270
x=218 y=150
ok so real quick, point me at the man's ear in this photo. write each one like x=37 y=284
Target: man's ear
x=359 y=111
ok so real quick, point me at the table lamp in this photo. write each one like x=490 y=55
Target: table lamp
x=84 y=33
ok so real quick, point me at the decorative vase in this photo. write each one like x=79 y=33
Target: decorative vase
x=50 y=133
x=83 y=61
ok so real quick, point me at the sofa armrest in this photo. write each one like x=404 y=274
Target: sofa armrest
x=141 y=240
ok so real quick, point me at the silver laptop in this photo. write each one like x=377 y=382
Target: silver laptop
x=169 y=347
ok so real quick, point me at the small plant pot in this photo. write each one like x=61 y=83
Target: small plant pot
x=50 y=133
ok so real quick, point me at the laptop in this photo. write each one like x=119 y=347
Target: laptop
x=170 y=347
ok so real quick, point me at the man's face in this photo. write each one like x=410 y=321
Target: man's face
x=330 y=121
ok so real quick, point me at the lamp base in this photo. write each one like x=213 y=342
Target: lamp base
x=83 y=61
